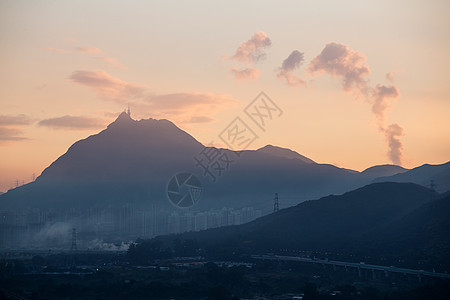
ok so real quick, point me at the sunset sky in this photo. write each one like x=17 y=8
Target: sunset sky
x=360 y=83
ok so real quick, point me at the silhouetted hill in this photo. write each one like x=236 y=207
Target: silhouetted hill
x=284 y=152
x=132 y=162
x=382 y=171
x=422 y=235
x=326 y=223
x=423 y=175
x=385 y=223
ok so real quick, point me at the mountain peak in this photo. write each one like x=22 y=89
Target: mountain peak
x=284 y=152
x=122 y=119
x=124 y=116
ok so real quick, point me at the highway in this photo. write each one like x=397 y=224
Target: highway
x=391 y=269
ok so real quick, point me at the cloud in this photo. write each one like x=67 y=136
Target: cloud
x=107 y=86
x=10 y=134
x=186 y=107
x=8 y=130
x=351 y=67
x=293 y=61
x=245 y=74
x=289 y=65
x=341 y=61
x=72 y=123
x=380 y=96
x=89 y=50
x=181 y=107
x=200 y=119
x=252 y=50
x=14 y=120
x=392 y=133
x=181 y=101
x=112 y=62
x=390 y=76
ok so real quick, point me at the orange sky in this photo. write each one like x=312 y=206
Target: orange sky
x=360 y=83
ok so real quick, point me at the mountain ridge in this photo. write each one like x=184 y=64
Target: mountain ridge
x=131 y=161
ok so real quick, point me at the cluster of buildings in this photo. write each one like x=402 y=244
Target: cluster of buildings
x=34 y=228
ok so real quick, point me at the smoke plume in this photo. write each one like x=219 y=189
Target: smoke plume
x=393 y=134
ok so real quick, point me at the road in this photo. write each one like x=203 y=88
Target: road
x=391 y=269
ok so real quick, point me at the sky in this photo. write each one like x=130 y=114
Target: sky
x=359 y=83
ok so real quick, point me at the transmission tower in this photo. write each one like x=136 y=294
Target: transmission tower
x=74 y=239
x=432 y=185
x=432 y=188
x=276 y=206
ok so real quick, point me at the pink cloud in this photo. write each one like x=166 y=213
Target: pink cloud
x=351 y=67
x=291 y=79
x=91 y=51
x=72 y=123
x=200 y=119
x=112 y=62
x=245 y=74
x=289 y=65
x=15 y=120
x=10 y=134
x=252 y=50
x=107 y=86
x=347 y=64
x=187 y=107
x=380 y=96
x=8 y=127
x=390 y=75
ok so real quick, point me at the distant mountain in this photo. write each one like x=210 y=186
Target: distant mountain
x=423 y=234
x=284 y=152
x=440 y=174
x=382 y=171
x=129 y=161
x=325 y=223
x=381 y=220
x=132 y=161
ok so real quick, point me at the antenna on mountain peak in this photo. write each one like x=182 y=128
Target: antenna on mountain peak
x=128 y=110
